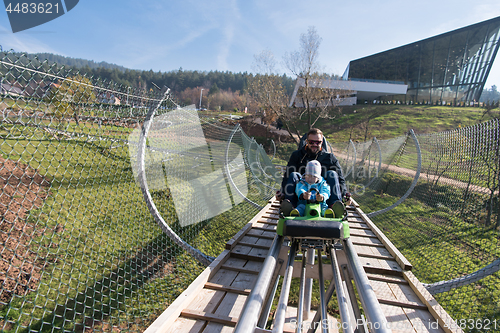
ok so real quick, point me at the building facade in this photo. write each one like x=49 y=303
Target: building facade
x=450 y=68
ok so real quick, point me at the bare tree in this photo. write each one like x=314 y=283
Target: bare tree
x=325 y=95
x=304 y=64
x=266 y=87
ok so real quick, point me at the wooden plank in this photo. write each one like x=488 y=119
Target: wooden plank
x=248 y=256
x=242 y=270
x=387 y=278
x=240 y=234
x=264 y=247
x=357 y=241
x=366 y=241
x=355 y=219
x=379 y=270
x=269 y=222
x=215 y=286
x=166 y=319
x=422 y=321
x=205 y=300
x=228 y=321
x=258 y=235
x=271 y=216
x=375 y=256
x=385 y=264
x=208 y=300
x=373 y=250
x=397 y=319
x=186 y=325
x=403 y=262
x=232 y=304
x=264 y=228
x=444 y=319
x=363 y=233
x=404 y=299
x=395 y=315
x=358 y=226
x=402 y=304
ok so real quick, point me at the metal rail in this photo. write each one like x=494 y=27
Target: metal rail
x=279 y=321
x=341 y=297
x=253 y=305
x=369 y=300
x=141 y=167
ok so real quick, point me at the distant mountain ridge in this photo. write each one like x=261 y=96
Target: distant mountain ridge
x=73 y=62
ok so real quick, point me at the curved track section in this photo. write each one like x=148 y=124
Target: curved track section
x=198 y=170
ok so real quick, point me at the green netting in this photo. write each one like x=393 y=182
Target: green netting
x=80 y=248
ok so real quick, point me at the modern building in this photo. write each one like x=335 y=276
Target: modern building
x=450 y=68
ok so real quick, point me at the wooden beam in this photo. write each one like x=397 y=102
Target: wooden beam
x=380 y=270
x=167 y=318
x=358 y=227
x=412 y=305
x=256 y=246
x=363 y=235
x=240 y=234
x=368 y=244
x=402 y=261
x=200 y=315
x=375 y=256
x=444 y=319
x=229 y=289
x=247 y=257
x=263 y=229
x=269 y=222
x=385 y=278
x=261 y=236
x=239 y=269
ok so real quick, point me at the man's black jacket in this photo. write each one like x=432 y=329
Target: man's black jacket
x=299 y=159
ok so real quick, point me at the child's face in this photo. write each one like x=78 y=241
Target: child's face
x=311 y=179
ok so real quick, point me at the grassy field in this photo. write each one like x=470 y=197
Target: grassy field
x=105 y=258
x=106 y=263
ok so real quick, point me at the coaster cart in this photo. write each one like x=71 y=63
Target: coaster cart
x=309 y=234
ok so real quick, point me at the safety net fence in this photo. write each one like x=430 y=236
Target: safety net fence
x=113 y=199
x=435 y=196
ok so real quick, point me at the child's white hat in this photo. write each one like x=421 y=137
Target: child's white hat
x=313 y=168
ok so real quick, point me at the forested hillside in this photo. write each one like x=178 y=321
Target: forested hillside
x=177 y=80
x=228 y=89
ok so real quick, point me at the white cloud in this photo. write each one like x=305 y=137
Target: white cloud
x=23 y=41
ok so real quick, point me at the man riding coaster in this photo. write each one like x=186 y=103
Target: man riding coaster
x=330 y=171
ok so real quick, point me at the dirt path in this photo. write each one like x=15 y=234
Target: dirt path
x=22 y=189
x=428 y=177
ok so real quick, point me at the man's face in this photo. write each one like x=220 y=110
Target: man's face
x=314 y=142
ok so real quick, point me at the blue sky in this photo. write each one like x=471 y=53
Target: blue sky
x=226 y=34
